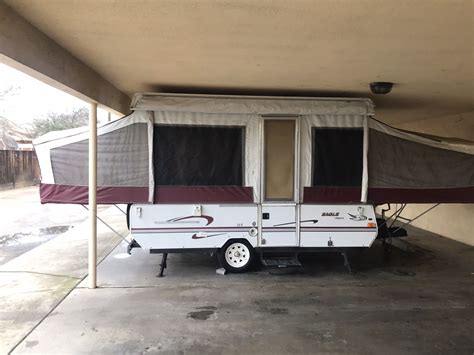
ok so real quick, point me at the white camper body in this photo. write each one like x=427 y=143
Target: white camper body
x=183 y=227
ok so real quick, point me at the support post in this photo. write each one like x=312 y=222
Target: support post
x=93 y=195
x=365 y=163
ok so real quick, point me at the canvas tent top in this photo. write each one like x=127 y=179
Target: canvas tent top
x=260 y=105
x=177 y=148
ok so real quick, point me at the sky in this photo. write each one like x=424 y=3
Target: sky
x=34 y=99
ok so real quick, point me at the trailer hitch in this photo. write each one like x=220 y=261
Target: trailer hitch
x=131 y=245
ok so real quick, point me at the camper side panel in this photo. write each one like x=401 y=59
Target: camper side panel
x=338 y=226
x=186 y=226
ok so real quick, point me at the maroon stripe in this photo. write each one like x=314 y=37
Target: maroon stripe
x=203 y=194
x=338 y=227
x=316 y=194
x=448 y=195
x=331 y=194
x=175 y=231
x=244 y=230
x=52 y=193
x=279 y=229
x=273 y=231
x=339 y=230
x=194 y=228
x=188 y=231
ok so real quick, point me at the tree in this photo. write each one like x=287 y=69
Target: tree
x=60 y=121
x=9 y=131
x=9 y=91
x=4 y=94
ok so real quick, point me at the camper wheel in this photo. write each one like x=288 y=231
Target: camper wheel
x=236 y=255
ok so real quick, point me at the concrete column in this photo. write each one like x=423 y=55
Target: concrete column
x=93 y=195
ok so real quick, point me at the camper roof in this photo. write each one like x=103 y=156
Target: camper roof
x=235 y=104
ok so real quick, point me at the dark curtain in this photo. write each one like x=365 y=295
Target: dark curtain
x=337 y=156
x=198 y=155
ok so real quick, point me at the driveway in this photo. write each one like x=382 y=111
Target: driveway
x=43 y=256
x=26 y=223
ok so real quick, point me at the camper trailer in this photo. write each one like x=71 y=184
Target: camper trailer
x=245 y=176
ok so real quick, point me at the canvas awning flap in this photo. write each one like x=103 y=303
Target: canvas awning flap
x=122 y=159
x=123 y=162
x=395 y=162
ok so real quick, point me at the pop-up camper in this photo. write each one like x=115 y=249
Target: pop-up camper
x=242 y=174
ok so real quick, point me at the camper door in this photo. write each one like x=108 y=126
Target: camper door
x=279 y=177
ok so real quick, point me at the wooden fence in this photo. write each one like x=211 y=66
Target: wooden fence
x=18 y=168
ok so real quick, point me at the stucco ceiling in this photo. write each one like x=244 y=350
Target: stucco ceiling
x=292 y=47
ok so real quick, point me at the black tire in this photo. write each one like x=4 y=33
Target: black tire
x=240 y=255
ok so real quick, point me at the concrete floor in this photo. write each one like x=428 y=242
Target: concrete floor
x=37 y=270
x=26 y=223
x=414 y=301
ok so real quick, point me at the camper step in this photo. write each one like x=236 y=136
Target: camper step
x=281 y=262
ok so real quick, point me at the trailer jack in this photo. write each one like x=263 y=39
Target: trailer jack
x=347 y=264
x=163 y=264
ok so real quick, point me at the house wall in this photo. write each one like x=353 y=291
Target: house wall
x=455 y=221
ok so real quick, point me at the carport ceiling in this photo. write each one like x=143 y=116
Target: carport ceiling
x=324 y=47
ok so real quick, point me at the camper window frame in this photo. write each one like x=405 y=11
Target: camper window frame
x=243 y=137
x=313 y=152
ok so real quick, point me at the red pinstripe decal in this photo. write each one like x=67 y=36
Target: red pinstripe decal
x=193 y=228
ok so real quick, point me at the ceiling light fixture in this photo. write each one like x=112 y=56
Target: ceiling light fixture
x=381 y=87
